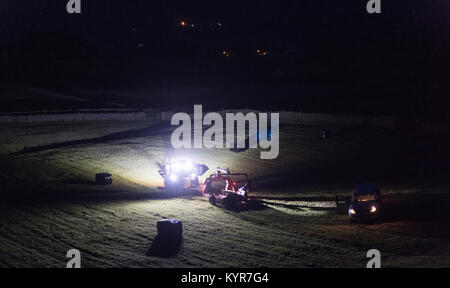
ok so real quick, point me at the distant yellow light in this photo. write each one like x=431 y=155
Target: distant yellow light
x=262 y=52
x=226 y=53
x=182 y=23
x=373 y=209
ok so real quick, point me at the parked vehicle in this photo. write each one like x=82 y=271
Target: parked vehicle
x=366 y=202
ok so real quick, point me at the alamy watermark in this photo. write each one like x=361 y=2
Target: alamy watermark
x=375 y=258
x=75 y=258
x=373 y=7
x=259 y=133
x=74 y=7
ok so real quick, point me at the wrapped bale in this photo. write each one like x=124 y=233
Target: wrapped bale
x=170 y=228
x=103 y=179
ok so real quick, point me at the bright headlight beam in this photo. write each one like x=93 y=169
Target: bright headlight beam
x=188 y=165
x=176 y=166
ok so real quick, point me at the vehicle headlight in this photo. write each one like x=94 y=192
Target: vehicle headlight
x=188 y=166
x=173 y=177
x=352 y=211
x=373 y=209
x=176 y=166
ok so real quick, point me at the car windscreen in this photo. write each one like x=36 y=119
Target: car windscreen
x=364 y=197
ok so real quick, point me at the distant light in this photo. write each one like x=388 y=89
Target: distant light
x=373 y=209
x=193 y=175
x=219 y=24
x=260 y=52
x=183 y=23
x=173 y=177
x=226 y=53
x=352 y=211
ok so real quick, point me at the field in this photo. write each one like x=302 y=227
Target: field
x=50 y=204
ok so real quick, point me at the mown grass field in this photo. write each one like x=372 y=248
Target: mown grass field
x=51 y=205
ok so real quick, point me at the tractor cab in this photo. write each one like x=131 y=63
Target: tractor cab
x=181 y=175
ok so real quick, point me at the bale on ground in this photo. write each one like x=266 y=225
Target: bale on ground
x=103 y=179
x=170 y=228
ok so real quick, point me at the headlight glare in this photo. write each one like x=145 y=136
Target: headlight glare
x=176 y=166
x=188 y=165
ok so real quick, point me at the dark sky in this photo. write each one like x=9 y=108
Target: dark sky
x=404 y=50
x=298 y=23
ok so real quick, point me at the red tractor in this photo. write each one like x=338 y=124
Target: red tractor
x=226 y=189
x=222 y=188
x=181 y=175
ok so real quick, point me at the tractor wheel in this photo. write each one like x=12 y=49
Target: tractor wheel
x=212 y=200
x=230 y=202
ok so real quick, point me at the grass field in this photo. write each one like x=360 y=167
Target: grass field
x=51 y=204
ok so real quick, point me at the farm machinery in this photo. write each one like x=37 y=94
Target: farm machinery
x=226 y=189
x=182 y=175
x=222 y=188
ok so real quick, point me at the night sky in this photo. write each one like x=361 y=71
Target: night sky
x=340 y=51
x=304 y=23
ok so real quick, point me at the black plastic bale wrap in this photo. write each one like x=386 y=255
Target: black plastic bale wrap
x=170 y=228
x=103 y=179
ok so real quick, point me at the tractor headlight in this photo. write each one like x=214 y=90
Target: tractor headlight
x=352 y=211
x=173 y=177
x=188 y=166
x=176 y=166
x=373 y=209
